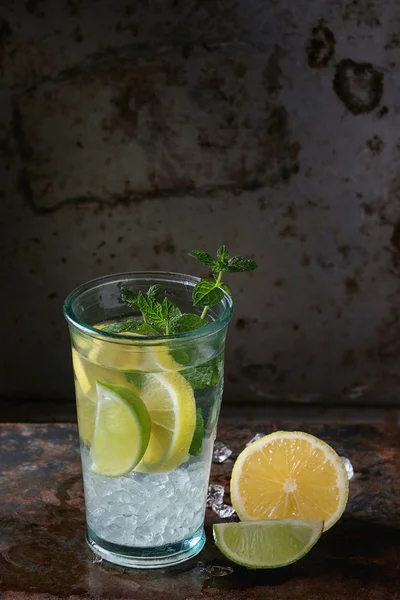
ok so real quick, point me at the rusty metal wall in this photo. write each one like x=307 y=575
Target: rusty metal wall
x=132 y=132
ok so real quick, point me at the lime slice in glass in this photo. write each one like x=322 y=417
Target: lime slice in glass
x=267 y=544
x=121 y=431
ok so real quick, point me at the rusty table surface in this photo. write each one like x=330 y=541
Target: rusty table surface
x=43 y=553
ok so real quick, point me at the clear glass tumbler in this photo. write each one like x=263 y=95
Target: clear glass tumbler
x=153 y=515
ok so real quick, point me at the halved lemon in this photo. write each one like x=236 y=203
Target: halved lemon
x=170 y=402
x=289 y=475
x=121 y=432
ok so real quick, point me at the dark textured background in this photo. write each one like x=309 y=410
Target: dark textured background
x=132 y=132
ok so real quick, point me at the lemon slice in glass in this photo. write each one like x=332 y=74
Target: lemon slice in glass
x=170 y=402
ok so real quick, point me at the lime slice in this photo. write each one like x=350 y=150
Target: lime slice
x=267 y=544
x=121 y=432
x=86 y=410
x=171 y=405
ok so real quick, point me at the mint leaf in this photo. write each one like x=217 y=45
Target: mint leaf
x=222 y=256
x=238 y=264
x=206 y=293
x=187 y=322
x=147 y=329
x=169 y=311
x=132 y=325
x=157 y=316
x=151 y=310
x=129 y=298
x=154 y=290
x=205 y=258
x=203 y=376
x=184 y=355
x=136 y=377
x=198 y=435
x=123 y=326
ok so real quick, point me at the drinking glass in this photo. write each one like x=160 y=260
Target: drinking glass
x=153 y=515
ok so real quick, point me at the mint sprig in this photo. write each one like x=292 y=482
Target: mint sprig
x=208 y=293
x=158 y=318
x=164 y=318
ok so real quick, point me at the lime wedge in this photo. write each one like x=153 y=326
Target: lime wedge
x=121 y=431
x=267 y=544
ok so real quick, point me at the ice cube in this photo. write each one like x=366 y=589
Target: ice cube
x=158 y=540
x=97 y=512
x=120 y=497
x=124 y=510
x=143 y=535
x=224 y=511
x=215 y=495
x=256 y=437
x=220 y=452
x=168 y=492
x=348 y=466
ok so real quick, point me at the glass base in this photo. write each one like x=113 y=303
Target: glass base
x=147 y=558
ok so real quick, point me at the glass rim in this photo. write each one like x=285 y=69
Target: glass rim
x=212 y=327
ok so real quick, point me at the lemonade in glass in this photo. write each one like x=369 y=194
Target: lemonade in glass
x=148 y=405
